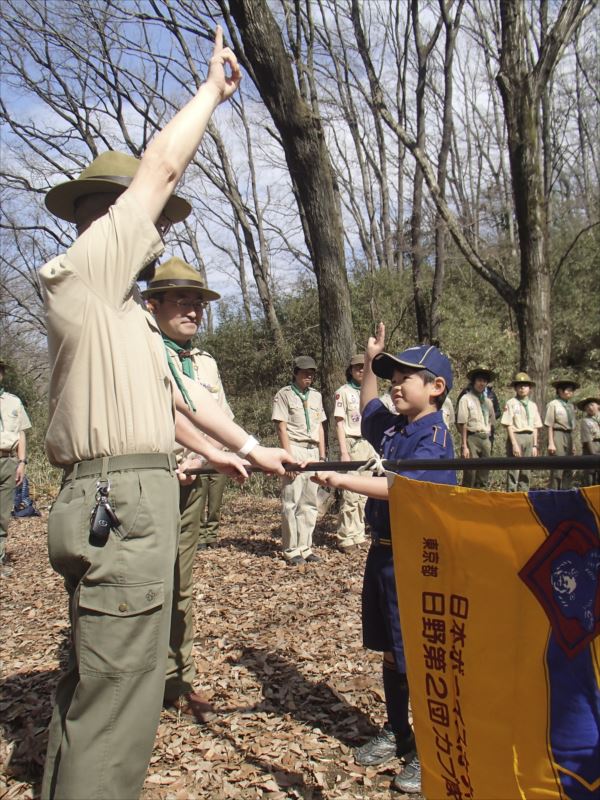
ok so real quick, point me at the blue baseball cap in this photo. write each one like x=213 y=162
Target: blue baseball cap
x=422 y=357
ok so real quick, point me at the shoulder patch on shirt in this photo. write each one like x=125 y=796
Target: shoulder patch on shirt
x=439 y=435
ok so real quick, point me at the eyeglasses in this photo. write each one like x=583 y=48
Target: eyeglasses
x=189 y=305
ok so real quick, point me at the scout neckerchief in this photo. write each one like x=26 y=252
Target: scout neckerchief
x=304 y=397
x=353 y=384
x=484 y=406
x=569 y=409
x=525 y=403
x=186 y=364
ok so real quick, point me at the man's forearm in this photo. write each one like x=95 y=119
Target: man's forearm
x=368 y=390
x=211 y=419
x=22 y=447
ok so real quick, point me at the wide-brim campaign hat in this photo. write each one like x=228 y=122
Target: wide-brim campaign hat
x=420 y=357
x=481 y=370
x=305 y=362
x=522 y=378
x=565 y=382
x=357 y=360
x=178 y=274
x=581 y=404
x=109 y=172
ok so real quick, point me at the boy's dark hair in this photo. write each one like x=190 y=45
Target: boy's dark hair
x=348 y=374
x=428 y=377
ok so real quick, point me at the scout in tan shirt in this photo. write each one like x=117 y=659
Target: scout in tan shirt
x=351 y=524
x=13 y=456
x=522 y=421
x=112 y=532
x=299 y=416
x=176 y=297
x=560 y=424
x=589 y=428
x=475 y=419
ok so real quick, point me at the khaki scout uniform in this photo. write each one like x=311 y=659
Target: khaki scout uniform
x=448 y=413
x=299 y=496
x=524 y=418
x=351 y=526
x=193 y=500
x=560 y=416
x=111 y=417
x=13 y=420
x=590 y=440
x=479 y=419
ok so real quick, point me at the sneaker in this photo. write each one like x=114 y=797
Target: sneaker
x=296 y=561
x=202 y=546
x=383 y=747
x=409 y=780
x=346 y=548
x=312 y=559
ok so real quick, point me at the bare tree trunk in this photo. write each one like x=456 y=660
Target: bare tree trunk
x=308 y=160
x=451 y=29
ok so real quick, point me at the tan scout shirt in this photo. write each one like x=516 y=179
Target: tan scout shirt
x=13 y=420
x=110 y=386
x=470 y=413
x=558 y=417
x=207 y=383
x=288 y=408
x=590 y=430
x=523 y=418
x=448 y=412
x=347 y=407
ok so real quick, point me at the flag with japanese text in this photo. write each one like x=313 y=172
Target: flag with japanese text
x=499 y=598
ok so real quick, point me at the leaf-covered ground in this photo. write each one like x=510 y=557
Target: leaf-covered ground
x=278 y=651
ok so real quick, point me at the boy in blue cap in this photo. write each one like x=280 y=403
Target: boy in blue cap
x=421 y=378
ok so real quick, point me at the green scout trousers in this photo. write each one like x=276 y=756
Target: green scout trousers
x=8 y=467
x=181 y=669
x=562 y=478
x=480 y=446
x=351 y=525
x=517 y=480
x=108 y=703
x=211 y=498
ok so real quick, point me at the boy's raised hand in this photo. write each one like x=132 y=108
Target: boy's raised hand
x=226 y=85
x=376 y=344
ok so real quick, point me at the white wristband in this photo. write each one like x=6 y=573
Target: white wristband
x=247 y=447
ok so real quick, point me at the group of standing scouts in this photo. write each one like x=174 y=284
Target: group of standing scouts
x=299 y=416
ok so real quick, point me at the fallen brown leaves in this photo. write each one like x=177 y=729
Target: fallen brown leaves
x=278 y=651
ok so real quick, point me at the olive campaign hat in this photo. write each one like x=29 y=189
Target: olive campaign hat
x=481 y=370
x=522 y=377
x=560 y=382
x=109 y=172
x=177 y=274
x=420 y=357
x=357 y=360
x=581 y=404
x=304 y=362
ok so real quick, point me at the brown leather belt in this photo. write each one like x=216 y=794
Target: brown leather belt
x=6 y=453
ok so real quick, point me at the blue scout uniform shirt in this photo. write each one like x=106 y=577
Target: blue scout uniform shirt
x=393 y=437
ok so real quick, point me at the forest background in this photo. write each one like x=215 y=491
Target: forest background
x=430 y=163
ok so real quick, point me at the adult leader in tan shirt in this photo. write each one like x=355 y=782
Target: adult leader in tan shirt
x=112 y=427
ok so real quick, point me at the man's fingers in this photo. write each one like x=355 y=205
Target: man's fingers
x=218 y=40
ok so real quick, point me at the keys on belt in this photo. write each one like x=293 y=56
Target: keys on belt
x=102 y=519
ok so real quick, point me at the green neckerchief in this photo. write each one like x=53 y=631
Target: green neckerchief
x=353 y=384
x=569 y=410
x=304 y=397
x=484 y=406
x=525 y=403
x=183 y=353
x=186 y=364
